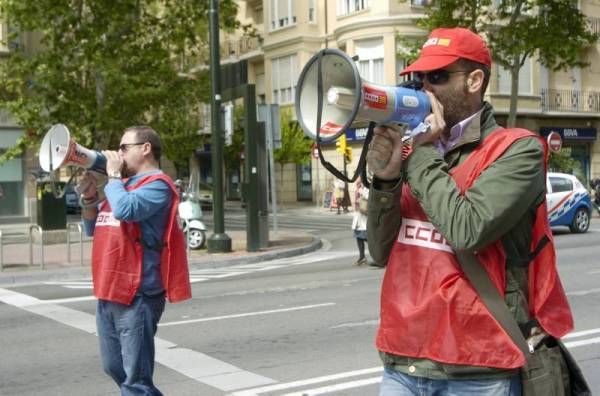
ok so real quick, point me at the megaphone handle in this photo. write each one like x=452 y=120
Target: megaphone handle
x=361 y=168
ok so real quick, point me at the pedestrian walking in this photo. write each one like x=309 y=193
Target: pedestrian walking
x=471 y=187
x=338 y=194
x=359 y=220
x=138 y=256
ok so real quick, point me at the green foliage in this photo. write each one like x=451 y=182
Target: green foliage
x=561 y=162
x=103 y=65
x=516 y=30
x=295 y=146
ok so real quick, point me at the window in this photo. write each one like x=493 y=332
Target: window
x=312 y=11
x=400 y=65
x=284 y=78
x=421 y=3
x=3 y=37
x=346 y=7
x=524 y=79
x=282 y=14
x=561 y=184
x=370 y=60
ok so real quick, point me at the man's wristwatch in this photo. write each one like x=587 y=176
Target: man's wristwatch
x=114 y=175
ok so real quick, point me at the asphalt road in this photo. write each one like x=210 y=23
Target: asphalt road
x=298 y=326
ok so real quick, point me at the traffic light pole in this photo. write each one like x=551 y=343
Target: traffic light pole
x=219 y=241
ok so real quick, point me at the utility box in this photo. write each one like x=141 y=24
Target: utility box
x=51 y=211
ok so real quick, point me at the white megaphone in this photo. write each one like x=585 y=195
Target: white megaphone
x=350 y=102
x=58 y=150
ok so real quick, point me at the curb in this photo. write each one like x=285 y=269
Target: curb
x=251 y=258
x=36 y=276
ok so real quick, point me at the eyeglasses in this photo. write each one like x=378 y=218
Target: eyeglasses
x=125 y=146
x=436 y=77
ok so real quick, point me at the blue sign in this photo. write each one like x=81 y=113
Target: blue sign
x=571 y=133
x=356 y=135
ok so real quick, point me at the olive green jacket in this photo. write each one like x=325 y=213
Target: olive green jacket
x=501 y=204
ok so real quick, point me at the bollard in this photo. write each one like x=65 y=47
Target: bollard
x=41 y=232
x=77 y=226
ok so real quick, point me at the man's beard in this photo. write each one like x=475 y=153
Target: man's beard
x=454 y=106
x=125 y=171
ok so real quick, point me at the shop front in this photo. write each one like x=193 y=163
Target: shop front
x=12 y=188
x=577 y=143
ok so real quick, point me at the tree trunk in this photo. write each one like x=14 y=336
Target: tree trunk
x=514 y=93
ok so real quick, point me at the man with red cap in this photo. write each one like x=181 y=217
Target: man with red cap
x=467 y=184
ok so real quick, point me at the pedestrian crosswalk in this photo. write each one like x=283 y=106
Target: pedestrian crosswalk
x=207 y=274
x=327 y=384
x=307 y=222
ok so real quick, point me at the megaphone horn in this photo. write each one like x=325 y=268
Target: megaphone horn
x=58 y=149
x=350 y=102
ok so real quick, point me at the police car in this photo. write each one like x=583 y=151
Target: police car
x=569 y=203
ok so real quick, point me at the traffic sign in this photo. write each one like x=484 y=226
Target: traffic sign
x=554 y=142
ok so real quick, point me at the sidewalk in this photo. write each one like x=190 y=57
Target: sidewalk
x=17 y=270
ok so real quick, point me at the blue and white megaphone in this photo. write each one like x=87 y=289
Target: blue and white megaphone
x=350 y=102
x=58 y=149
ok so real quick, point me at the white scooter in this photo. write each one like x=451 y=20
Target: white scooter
x=190 y=213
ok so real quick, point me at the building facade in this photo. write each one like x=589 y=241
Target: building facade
x=292 y=31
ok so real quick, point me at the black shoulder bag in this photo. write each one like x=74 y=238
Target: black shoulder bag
x=550 y=370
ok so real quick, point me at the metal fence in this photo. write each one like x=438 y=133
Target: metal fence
x=237 y=48
x=594 y=24
x=570 y=100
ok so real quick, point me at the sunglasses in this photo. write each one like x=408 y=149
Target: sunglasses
x=436 y=77
x=125 y=146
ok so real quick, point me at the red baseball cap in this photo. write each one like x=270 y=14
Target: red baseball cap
x=445 y=46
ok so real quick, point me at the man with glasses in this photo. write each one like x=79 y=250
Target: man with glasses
x=466 y=184
x=138 y=256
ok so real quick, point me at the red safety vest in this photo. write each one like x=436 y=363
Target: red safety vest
x=117 y=254
x=428 y=307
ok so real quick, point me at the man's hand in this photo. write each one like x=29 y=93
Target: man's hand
x=436 y=122
x=88 y=186
x=114 y=162
x=385 y=153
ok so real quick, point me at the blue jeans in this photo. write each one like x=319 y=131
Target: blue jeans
x=395 y=383
x=126 y=334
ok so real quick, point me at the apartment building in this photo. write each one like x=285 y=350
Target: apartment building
x=13 y=202
x=292 y=31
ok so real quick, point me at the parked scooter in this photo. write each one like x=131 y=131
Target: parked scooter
x=190 y=213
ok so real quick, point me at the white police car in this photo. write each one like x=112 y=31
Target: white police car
x=569 y=203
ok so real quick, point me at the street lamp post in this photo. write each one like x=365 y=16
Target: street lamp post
x=219 y=241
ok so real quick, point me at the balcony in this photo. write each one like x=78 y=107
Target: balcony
x=568 y=100
x=594 y=24
x=240 y=47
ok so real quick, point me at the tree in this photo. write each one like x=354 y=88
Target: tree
x=553 y=30
x=103 y=65
x=561 y=162
x=295 y=146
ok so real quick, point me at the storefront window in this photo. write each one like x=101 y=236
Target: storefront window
x=11 y=178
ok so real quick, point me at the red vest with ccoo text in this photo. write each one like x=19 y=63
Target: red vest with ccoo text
x=117 y=253
x=428 y=307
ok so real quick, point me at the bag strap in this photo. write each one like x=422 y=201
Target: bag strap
x=483 y=285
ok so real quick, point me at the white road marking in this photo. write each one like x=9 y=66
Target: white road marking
x=357 y=324
x=336 y=387
x=309 y=381
x=574 y=344
x=193 y=364
x=206 y=274
x=243 y=315
x=583 y=292
x=581 y=333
